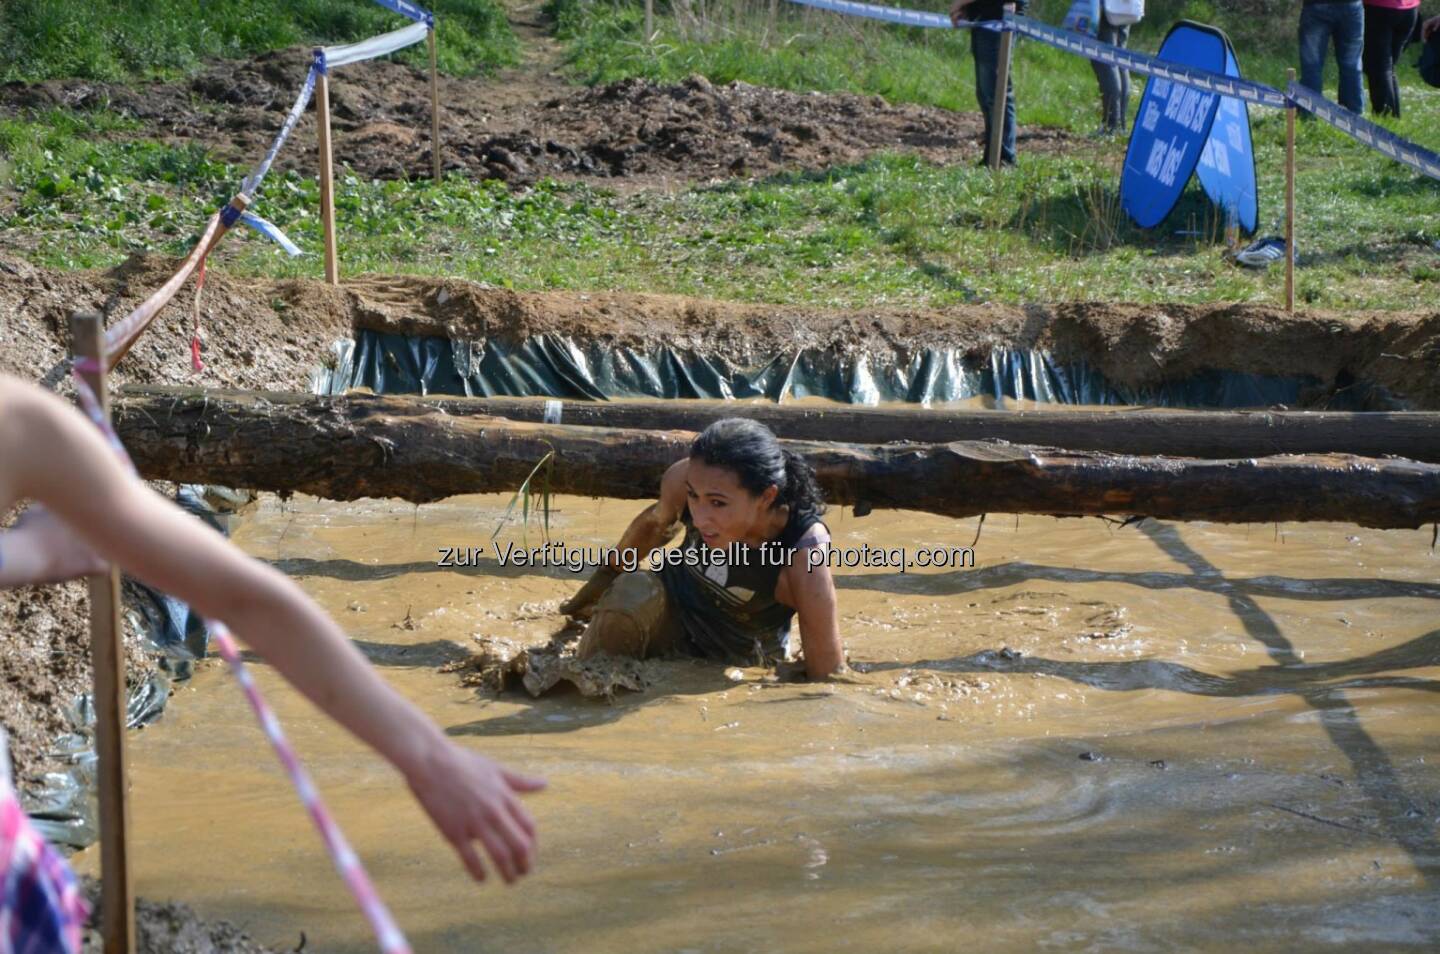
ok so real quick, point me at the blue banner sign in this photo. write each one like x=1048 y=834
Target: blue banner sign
x=1227 y=164
x=1180 y=129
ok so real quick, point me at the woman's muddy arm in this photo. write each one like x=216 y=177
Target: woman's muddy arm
x=653 y=527
x=812 y=593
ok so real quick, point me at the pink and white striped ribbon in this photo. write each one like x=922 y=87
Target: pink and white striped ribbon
x=346 y=862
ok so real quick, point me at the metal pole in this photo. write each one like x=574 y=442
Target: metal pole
x=327 y=179
x=107 y=656
x=1290 y=199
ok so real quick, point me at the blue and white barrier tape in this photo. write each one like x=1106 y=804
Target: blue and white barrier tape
x=1367 y=133
x=1357 y=127
x=336 y=56
x=257 y=175
x=270 y=231
x=407 y=9
x=1136 y=62
x=871 y=11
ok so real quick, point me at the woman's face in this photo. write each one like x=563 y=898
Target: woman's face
x=723 y=511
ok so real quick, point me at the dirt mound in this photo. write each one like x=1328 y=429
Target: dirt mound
x=632 y=130
x=270 y=334
x=171 y=928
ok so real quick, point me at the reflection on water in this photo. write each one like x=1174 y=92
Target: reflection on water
x=1157 y=737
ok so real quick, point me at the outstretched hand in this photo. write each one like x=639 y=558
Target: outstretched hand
x=957 y=12
x=42 y=548
x=471 y=798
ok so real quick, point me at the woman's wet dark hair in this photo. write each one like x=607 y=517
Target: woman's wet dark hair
x=751 y=451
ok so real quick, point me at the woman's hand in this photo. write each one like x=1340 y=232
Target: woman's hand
x=41 y=548
x=471 y=798
x=582 y=604
x=1429 y=28
x=957 y=12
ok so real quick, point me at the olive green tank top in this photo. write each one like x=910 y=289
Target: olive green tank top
x=724 y=600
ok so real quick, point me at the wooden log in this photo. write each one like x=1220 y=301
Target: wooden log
x=1215 y=434
x=349 y=447
x=107 y=661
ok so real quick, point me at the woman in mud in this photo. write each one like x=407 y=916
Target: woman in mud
x=751 y=515
x=51 y=455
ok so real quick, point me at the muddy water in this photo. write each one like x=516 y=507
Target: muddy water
x=1157 y=737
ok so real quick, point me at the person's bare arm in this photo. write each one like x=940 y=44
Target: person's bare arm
x=811 y=591
x=49 y=453
x=1429 y=28
x=653 y=527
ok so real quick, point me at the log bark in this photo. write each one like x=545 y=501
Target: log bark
x=354 y=446
x=1216 y=434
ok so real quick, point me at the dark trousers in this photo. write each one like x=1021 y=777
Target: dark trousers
x=1114 y=82
x=985 y=46
x=1387 y=31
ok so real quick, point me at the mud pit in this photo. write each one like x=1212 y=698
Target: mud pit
x=1153 y=738
x=525 y=128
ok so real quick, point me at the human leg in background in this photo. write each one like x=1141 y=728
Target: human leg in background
x=985 y=46
x=1349 y=33
x=1114 y=82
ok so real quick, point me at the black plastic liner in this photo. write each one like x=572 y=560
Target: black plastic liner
x=558 y=367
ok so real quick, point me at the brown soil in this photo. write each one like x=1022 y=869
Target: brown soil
x=525 y=124
x=270 y=333
x=172 y=928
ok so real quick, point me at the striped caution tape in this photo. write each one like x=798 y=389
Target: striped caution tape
x=407 y=9
x=1367 y=133
x=916 y=18
x=271 y=232
x=335 y=56
x=1137 y=62
x=307 y=90
x=1363 y=131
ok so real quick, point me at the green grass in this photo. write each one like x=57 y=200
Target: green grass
x=133 y=39
x=893 y=230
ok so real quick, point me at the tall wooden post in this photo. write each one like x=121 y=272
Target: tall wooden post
x=997 y=109
x=327 y=178
x=649 y=20
x=434 y=111
x=107 y=656
x=1290 y=198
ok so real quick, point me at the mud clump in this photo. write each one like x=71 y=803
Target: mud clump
x=520 y=129
x=500 y=664
x=171 y=928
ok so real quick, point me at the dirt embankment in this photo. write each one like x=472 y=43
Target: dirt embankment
x=525 y=126
x=271 y=333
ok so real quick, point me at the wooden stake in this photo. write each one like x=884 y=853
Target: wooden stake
x=327 y=179
x=1290 y=199
x=649 y=20
x=107 y=652
x=997 y=110
x=434 y=112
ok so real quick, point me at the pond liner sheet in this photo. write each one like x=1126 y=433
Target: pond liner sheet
x=562 y=367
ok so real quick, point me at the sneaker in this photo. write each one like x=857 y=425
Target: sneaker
x=1263 y=253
